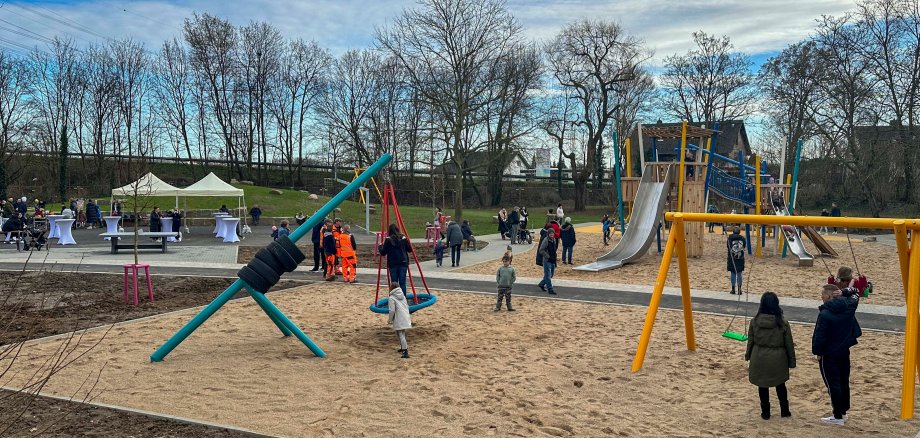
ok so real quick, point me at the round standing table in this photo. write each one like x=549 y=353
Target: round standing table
x=111 y=224
x=229 y=229
x=166 y=225
x=218 y=224
x=63 y=228
x=52 y=229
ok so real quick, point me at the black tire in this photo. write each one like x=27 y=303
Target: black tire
x=254 y=280
x=269 y=259
x=288 y=245
x=285 y=259
x=267 y=272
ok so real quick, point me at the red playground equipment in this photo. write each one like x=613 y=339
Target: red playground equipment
x=416 y=300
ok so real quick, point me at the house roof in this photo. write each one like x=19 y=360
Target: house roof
x=727 y=135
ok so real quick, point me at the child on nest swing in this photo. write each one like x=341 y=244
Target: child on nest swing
x=398 y=317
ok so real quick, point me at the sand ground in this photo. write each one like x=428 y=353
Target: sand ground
x=552 y=368
x=876 y=260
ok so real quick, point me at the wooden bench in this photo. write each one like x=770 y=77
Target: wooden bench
x=161 y=245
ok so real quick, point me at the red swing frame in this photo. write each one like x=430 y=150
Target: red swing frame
x=389 y=196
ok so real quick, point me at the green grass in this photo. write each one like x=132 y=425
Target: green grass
x=290 y=202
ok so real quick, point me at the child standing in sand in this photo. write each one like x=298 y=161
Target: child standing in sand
x=505 y=278
x=399 y=317
x=605 y=225
x=771 y=352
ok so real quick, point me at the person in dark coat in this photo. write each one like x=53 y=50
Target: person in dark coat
x=771 y=352
x=514 y=224
x=318 y=259
x=468 y=233
x=177 y=216
x=546 y=256
x=524 y=216
x=256 y=213
x=735 y=262
x=330 y=250
x=93 y=214
x=155 y=224
x=835 y=332
x=396 y=249
x=567 y=235
x=454 y=241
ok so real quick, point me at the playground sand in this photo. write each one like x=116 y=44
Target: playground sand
x=770 y=273
x=552 y=368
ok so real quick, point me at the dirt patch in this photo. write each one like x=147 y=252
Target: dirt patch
x=52 y=417
x=38 y=304
x=365 y=253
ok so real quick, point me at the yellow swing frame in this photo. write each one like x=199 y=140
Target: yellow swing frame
x=908 y=257
x=358 y=171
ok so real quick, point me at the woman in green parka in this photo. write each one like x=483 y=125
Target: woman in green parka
x=772 y=354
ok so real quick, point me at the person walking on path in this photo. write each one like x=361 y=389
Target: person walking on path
x=315 y=237
x=399 y=317
x=546 y=257
x=835 y=212
x=455 y=242
x=736 y=246
x=514 y=223
x=772 y=354
x=560 y=215
x=396 y=249
x=505 y=278
x=567 y=234
x=835 y=332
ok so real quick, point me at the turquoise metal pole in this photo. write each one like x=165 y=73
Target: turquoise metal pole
x=271 y=309
x=616 y=171
x=278 y=323
x=199 y=319
x=238 y=285
x=795 y=182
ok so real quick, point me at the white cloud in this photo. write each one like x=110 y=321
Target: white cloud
x=754 y=26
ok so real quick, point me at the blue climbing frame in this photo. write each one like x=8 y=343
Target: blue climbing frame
x=285 y=325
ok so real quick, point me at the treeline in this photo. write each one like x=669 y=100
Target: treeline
x=455 y=86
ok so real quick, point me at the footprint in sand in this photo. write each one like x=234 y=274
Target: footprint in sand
x=344 y=408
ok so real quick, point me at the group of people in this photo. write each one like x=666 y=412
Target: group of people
x=156 y=224
x=334 y=249
x=835 y=212
x=451 y=236
x=771 y=351
x=16 y=215
x=512 y=225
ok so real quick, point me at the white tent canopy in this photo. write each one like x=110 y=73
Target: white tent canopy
x=211 y=185
x=147 y=185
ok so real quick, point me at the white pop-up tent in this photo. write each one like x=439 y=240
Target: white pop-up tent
x=212 y=185
x=147 y=185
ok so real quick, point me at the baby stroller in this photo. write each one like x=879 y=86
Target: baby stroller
x=36 y=241
x=525 y=235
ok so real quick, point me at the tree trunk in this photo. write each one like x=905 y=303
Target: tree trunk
x=458 y=195
x=581 y=192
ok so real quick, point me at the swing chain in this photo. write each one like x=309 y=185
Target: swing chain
x=852 y=251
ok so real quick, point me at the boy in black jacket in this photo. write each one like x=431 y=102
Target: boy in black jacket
x=836 y=331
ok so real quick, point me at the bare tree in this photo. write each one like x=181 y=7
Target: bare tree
x=260 y=56
x=131 y=71
x=350 y=98
x=174 y=93
x=15 y=119
x=790 y=86
x=593 y=59
x=99 y=109
x=448 y=48
x=299 y=84
x=213 y=50
x=509 y=114
x=710 y=83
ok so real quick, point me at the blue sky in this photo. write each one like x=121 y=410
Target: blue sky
x=760 y=28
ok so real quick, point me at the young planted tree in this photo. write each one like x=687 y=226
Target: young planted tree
x=593 y=60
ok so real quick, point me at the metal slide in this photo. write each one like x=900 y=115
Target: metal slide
x=793 y=235
x=648 y=208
